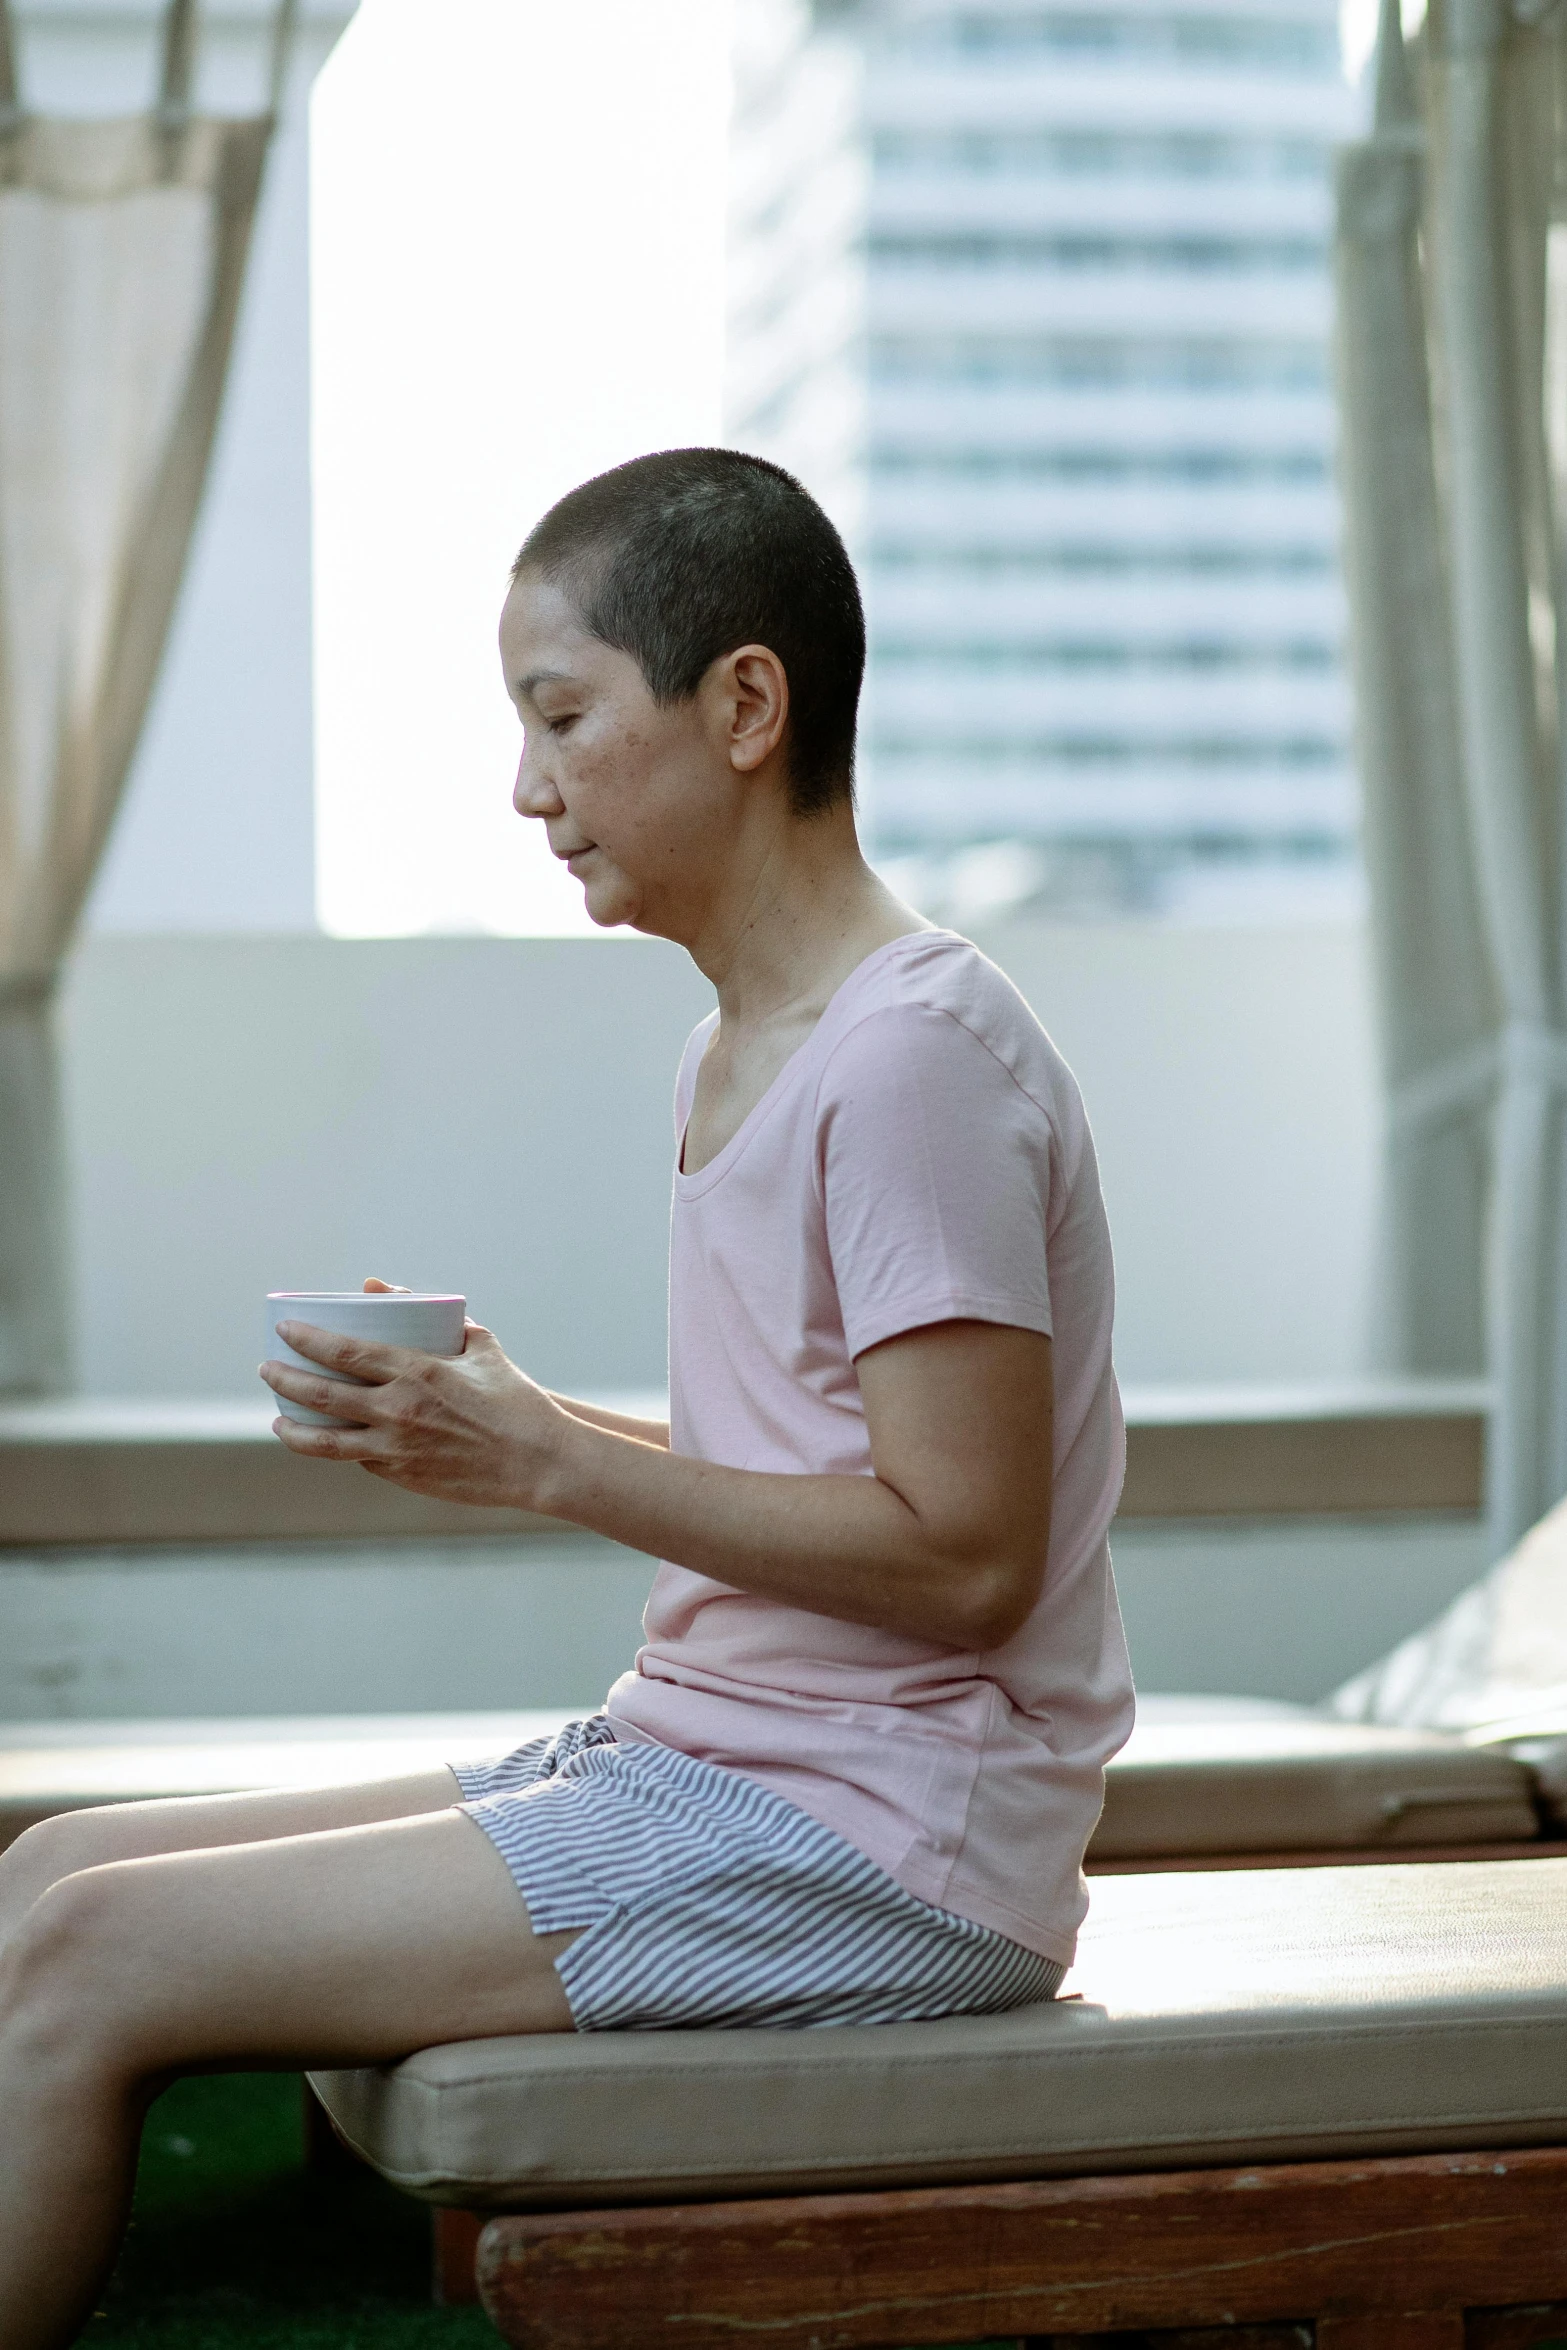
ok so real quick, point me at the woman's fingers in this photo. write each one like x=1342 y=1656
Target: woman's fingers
x=329 y=1444
x=374 y=1288
x=360 y=1356
x=471 y=1429
x=337 y=1396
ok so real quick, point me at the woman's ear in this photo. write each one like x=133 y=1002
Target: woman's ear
x=758 y=697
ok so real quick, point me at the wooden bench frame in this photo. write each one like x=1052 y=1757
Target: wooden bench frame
x=1460 y=2251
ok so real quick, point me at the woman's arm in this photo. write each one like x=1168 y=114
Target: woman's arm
x=655 y=1432
x=945 y=1542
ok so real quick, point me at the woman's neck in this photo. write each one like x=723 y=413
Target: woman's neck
x=808 y=914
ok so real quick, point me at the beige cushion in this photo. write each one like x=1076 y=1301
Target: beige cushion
x=1300 y=1783
x=1240 y=2016
x=48 y=1767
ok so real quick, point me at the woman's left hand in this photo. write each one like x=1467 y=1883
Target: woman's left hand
x=469 y=1428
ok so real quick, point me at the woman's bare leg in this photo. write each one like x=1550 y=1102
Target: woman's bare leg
x=76 y=1840
x=351 y=1946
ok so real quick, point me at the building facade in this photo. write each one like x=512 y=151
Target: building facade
x=1038 y=298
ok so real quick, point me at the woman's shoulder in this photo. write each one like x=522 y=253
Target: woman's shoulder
x=941 y=998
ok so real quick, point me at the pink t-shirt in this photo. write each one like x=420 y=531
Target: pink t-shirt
x=924 y=1157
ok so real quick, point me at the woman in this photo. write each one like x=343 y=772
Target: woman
x=853 y=1771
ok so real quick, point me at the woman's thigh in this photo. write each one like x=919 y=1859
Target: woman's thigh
x=348 y=1946
x=71 y=1841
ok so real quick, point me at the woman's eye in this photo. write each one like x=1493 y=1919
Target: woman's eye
x=559 y=725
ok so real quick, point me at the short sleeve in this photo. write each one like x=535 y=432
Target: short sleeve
x=934 y=1167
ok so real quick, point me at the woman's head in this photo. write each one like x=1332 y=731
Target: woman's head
x=681 y=557
x=678 y=630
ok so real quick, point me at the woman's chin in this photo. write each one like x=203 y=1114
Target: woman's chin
x=608 y=903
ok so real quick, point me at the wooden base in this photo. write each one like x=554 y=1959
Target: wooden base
x=1393 y=2329
x=1379 y=2255
x=454 y=2246
x=1180 y=2339
x=1286 y=2337
x=1544 y=2327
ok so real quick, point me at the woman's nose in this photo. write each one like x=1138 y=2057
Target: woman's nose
x=533 y=794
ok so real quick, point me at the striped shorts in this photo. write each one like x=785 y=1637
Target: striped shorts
x=704 y=1900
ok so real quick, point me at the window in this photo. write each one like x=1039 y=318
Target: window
x=517 y=259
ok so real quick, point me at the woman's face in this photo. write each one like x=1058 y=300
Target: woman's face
x=637 y=800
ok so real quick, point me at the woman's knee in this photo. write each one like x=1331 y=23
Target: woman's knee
x=59 y=1983
x=47 y=1845
x=46 y=1852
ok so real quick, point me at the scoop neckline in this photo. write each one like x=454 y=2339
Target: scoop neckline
x=686 y=1185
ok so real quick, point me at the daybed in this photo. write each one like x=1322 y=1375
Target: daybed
x=1273 y=2098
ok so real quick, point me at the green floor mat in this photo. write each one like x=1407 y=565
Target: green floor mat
x=235 y=2246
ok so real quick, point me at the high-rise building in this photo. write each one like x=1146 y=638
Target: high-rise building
x=1038 y=299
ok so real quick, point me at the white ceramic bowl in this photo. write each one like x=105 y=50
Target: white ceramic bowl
x=432 y=1324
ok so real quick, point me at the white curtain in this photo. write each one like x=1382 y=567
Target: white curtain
x=1452 y=386
x=1432 y=973
x=122 y=256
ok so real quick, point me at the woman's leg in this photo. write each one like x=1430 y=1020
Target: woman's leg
x=351 y=1946
x=189 y=1823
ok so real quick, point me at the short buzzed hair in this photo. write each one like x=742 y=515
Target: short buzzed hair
x=681 y=557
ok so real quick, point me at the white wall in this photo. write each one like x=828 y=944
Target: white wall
x=1286 y=1610
x=254 y=1114
x=493 y=1115
x=1230 y=1075
x=249 y=1113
